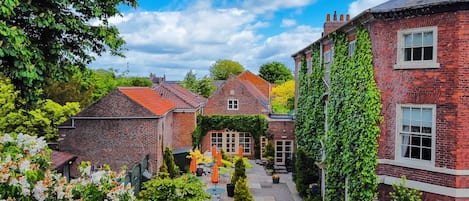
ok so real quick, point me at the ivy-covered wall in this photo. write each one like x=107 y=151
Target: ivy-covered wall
x=353 y=115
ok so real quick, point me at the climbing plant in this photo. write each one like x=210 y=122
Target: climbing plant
x=254 y=124
x=353 y=117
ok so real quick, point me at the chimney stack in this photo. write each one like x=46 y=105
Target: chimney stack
x=330 y=26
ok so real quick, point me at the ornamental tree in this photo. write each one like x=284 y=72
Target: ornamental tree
x=275 y=72
x=52 y=39
x=222 y=69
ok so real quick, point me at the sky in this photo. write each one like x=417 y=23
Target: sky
x=170 y=37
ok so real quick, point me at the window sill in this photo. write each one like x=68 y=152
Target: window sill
x=416 y=65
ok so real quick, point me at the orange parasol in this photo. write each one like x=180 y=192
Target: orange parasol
x=214 y=151
x=215 y=174
x=240 y=151
x=219 y=163
x=193 y=166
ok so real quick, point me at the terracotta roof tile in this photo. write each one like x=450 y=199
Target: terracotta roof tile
x=183 y=98
x=148 y=98
x=257 y=81
x=59 y=158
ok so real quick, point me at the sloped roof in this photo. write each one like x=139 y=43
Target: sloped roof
x=261 y=84
x=59 y=158
x=183 y=98
x=148 y=98
x=256 y=93
x=398 y=5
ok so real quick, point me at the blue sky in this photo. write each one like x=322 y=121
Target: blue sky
x=169 y=37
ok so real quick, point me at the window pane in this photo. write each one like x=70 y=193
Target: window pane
x=427 y=53
x=407 y=40
x=405 y=151
x=416 y=140
x=407 y=54
x=415 y=129
x=417 y=40
x=428 y=39
x=415 y=152
x=417 y=54
x=426 y=154
x=427 y=142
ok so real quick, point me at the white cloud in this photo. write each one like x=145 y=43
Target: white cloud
x=288 y=22
x=359 y=6
x=174 y=42
x=263 y=6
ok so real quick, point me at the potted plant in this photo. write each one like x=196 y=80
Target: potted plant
x=275 y=178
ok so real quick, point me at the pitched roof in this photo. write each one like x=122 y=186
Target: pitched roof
x=398 y=5
x=59 y=158
x=148 y=98
x=261 y=84
x=256 y=93
x=183 y=98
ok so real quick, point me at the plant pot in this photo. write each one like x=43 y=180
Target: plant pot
x=276 y=180
x=199 y=172
x=230 y=189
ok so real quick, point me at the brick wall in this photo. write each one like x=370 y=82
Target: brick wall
x=248 y=104
x=447 y=87
x=113 y=142
x=282 y=130
x=184 y=125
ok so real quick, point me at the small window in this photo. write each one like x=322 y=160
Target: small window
x=327 y=57
x=416 y=132
x=351 y=48
x=233 y=104
x=417 y=48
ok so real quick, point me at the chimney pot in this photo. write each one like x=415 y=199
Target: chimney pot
x=335 y=17
x=341 y=17
x=328 y=17
x=347 y=18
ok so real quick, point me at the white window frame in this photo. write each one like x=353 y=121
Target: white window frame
x=401 y=64
x=351 y=48
x=398 y=138
x=232 y=104
x=328 y=56
x=230 y=141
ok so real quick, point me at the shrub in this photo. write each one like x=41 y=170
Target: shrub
x=240 y=171
x=187 y=187
x=402 y=193
x=25 y=175
x=306 y=172
x=241 y=192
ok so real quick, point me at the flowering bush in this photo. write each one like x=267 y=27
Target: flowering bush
x=201 y=158
x=25 y=175
x=275 y=176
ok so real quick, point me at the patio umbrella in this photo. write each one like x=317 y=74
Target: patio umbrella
x=215 y=174
x=193 y=166
x=219 y=163
x=214 y=151
x=240 y=151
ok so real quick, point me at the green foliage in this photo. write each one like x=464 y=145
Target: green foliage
x=52 y=39
x=203 y=87
x=223 y=69
x=240 y=171
x=275 y=72
x=241 y=191
x=78 y=89
x=254 y=124
x=283 y=96
x=168 y=160
x=310 y=117
x=402 y=193
x=307 y=172
x=269 y=150
x=42 y=120
x=354 y=114
x=186 y=187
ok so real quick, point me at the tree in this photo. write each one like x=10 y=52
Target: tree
x=203 y=87
x=241 y=192
x=168 y=160
x=240 y=171
x=283 y=96
x=43 y=120
x=275 y=72
x=52 y=39
x=222 y=69
x=79 y=88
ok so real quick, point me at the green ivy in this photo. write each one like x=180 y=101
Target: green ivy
x=256 y=125
x=353 y=117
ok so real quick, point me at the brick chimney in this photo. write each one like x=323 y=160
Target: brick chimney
x=330 y=26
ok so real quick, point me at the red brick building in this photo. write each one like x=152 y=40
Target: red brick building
x=122 y=128
x=188 y=106
x=248 y=93
x=421 y=66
